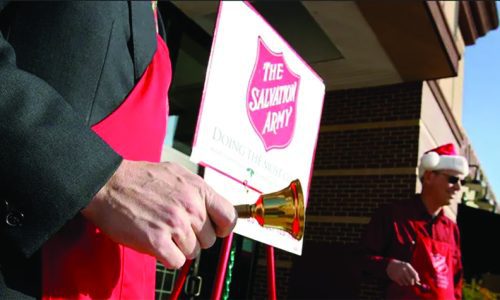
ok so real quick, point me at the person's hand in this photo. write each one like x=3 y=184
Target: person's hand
x=402 y=273
x=161 y=209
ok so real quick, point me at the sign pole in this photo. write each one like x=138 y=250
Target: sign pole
x=271 y=275
x=221 y=267
x=179 y=283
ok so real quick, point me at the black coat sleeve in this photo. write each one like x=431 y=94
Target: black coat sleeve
x=51 y=163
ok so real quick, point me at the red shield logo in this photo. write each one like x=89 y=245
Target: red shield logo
x=272 y=98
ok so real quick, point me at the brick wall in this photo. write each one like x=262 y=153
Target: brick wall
x=282 y=279
x=356 y=195
x=366 y=156
x=334 y=232
x=371 y=289
x=384 y=103
x=283 y=262
x=367 y=148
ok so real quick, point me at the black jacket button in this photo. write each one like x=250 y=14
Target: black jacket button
x=14 y=218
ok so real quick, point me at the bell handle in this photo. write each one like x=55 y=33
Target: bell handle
x=244 y=211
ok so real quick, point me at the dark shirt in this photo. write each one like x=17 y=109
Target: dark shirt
x=391 y=234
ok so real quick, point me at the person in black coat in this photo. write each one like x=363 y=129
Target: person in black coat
x=65 y=66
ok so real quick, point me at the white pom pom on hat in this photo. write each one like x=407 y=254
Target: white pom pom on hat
x=444 y=157
x=429 y=160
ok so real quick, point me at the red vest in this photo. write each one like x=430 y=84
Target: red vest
x=80 y=262
x=433 y=261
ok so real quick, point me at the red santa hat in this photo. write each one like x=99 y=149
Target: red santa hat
x=444 y=157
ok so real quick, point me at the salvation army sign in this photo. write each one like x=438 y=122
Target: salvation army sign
x=271 y=96
x=259 y=117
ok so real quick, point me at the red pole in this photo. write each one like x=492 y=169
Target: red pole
x=271 y=276
x=221 y=267
x=179 y=283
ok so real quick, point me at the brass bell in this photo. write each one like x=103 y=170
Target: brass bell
x=283 y=210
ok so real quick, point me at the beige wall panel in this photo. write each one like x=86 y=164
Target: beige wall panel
x=452 y=89
x=450 y=10
x=434 y=131
x=448 y=90
x=459 y=93
x=434 y=127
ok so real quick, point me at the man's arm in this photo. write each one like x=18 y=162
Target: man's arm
x=377 y=262
x=51 y=164
x=374 y=243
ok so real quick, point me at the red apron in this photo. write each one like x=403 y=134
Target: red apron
x=80 y=262
x=433 y=260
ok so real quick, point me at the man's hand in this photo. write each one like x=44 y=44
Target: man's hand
x=402 y=273
x=161 y=209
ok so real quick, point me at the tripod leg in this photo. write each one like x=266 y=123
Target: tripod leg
x=179 y=283
x=271 y=276
x=221 y=267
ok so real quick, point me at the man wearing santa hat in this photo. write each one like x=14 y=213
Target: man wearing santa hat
x=412 y=245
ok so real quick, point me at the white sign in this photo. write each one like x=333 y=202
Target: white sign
x=259 y=117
